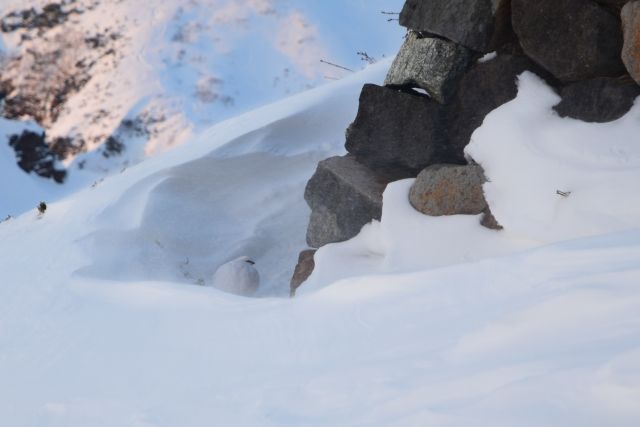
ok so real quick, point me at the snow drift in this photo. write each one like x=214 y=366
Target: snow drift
x=417 y=321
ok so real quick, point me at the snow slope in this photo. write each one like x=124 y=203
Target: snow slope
x=101 y=322
x=166 y=70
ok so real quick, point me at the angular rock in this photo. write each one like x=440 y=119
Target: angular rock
x=449 y=190
x=481 y=25
x=303 y=270
x=598 y=100
x=572 y=39
x=397 y=133
x=343 y=195
x=489 y=221
x=631 y=50
x=432 y=64
x=485 y=87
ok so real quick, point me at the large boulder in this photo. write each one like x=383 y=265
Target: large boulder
x=598 y=100
x=481 y=25
x=485 y=87
x=303 y=270
x=572 y=39
x=631 y=51
x=449 y=190
x=343 y=195
x=398 y=133
x=432 y=64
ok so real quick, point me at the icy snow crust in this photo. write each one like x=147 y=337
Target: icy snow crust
x=417 y=321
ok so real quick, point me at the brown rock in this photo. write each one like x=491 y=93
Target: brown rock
x=631 y=49
x=490 y=221
x=303 y=270
x=449 y=190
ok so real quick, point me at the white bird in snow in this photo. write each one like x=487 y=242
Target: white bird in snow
x=238 y=277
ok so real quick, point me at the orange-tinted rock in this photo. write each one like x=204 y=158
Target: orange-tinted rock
x=631 y=48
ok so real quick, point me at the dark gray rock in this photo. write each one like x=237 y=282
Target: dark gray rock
x=303 y=270
x=485 y=87
x=343 y=195
x=481 y=25
x=34 y=155
x=432 y=64
x=572 y=39
x=631 y=51
x=598 y=100
x=449 y=190
x=613 y=3
x=398 y=134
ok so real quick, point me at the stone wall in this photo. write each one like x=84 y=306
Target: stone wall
x=460 y=60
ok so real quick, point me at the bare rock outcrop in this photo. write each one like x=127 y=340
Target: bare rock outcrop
x=572 y=39
x=481 y=25
x=343 y=195
x=432 y=64
x=398 y=133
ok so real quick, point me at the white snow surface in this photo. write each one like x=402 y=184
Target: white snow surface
x=417 y=321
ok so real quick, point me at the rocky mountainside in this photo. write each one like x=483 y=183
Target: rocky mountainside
x=99 y=85
x=460 y=61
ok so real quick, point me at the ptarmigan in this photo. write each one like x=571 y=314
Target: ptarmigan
x=238 y=277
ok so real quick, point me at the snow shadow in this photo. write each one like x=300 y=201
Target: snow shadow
x=205 y=213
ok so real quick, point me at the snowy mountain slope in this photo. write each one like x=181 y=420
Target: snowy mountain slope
x=124 y=82
x=236 y=190
x=101 y=322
